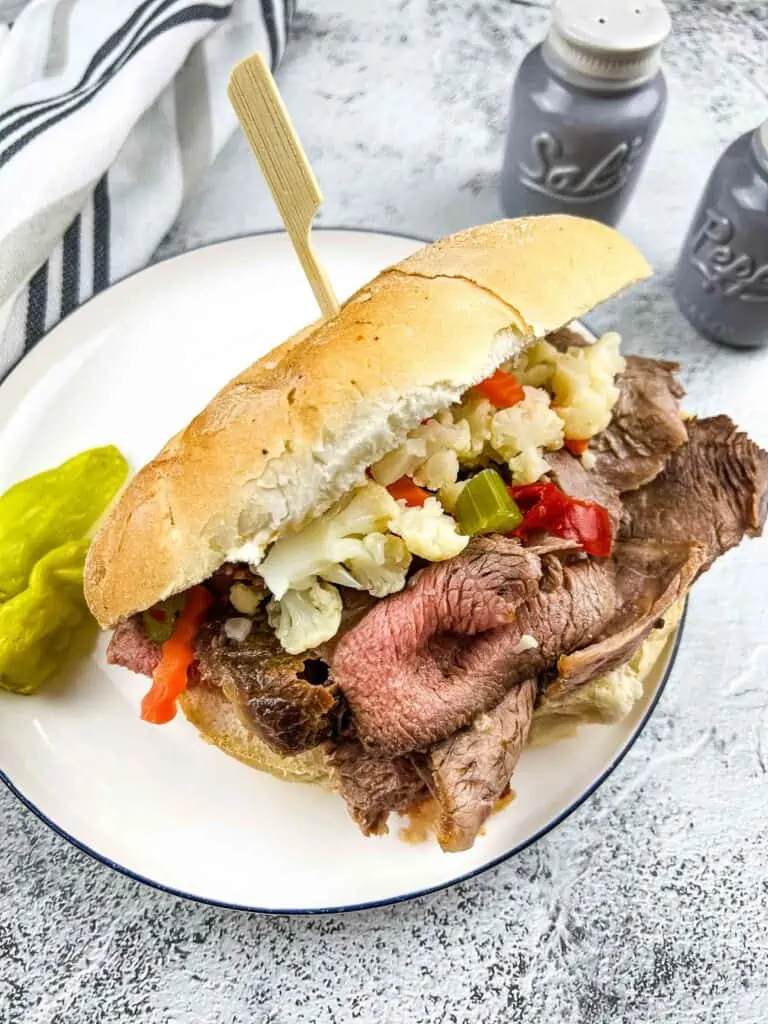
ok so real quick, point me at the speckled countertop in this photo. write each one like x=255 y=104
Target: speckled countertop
x=651 y=902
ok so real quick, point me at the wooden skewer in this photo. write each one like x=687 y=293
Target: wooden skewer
x=267 y=126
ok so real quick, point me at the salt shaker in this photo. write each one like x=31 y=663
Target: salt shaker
x=586 y=106
x=721 y=282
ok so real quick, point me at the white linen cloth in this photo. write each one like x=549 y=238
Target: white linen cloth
x=110 y=111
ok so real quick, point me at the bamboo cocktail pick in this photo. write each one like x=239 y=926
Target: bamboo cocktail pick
x=267 y=126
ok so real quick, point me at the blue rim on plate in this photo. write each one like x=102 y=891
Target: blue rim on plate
x=372 y=904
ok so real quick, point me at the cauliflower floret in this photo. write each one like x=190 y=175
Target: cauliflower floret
x=440 y=469
x=583 y=385
x=477 y=412
x=428 y=532
x=441 y=432
x=438 y=436
x=536 y=365
x=381 y=564
x=306 y=618
x=403 y=461
x=364 y=542
x=520 y=433
x=449 y=495
x=324 y=545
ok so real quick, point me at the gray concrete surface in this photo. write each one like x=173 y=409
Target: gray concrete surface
x=651 y=902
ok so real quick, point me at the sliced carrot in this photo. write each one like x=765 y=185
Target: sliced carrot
x=502 y=388
x=406 y=490
x=576 y=445
x=170 y=677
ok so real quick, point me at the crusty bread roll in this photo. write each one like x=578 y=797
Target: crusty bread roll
x=295 y=431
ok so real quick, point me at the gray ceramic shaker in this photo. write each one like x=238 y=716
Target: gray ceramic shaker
x=586 y=106
x=721 y=283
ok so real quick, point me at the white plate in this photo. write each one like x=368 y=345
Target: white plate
x=131 y=367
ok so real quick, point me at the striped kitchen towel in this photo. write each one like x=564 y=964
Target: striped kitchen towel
x=110 y=112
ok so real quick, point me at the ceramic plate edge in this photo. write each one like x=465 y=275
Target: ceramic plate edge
x=373 y=904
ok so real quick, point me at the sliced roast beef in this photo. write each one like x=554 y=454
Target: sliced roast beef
x=714 y=490
x=650 y=578
x=374 y=786
x=425 y=661
x=570 y=476
x=355 y=606
x=645 y=428
x=130 y=647
x=288 y=700
x=470 y=770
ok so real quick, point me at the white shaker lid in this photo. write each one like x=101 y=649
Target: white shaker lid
x=607 y=43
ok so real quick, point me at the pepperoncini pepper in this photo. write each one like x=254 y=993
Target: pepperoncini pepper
x=45 y=522
x=41 y=624
x=51 y=508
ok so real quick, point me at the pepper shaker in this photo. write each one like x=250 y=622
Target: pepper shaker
x=586 y=106
x=721 y=282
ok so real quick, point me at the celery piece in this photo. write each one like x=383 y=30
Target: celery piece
x=486 y=506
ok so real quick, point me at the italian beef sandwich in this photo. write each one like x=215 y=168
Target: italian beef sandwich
x=418 y=535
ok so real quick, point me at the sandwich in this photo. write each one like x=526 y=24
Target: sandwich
x=424 y=532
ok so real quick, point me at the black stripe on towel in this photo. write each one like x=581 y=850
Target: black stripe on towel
x=38 y=108
x=37 y=296
x=270 y=23
x=101 y=226
x=289 y=9
x=196 y=12
x=70 y=268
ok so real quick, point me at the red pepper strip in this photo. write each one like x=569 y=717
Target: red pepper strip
x=576 y=446
x=528 y=495
x=170 y=677
x=503 y=389
x=547 y=508
x=406 y=490
x=543 y=506
x=589 y=525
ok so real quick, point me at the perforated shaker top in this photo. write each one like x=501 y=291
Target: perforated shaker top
x=607 y=42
